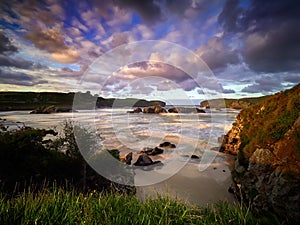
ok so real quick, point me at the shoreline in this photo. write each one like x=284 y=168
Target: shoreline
x=194 y=187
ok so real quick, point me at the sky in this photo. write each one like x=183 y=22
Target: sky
x=245 y=47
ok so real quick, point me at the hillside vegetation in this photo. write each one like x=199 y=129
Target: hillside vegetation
x=266 y=139
x=64 y=101
x=231 y=103
x=267 y=122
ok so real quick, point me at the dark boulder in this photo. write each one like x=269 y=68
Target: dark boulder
x=145 y=160
x=167 y=144
x=136 y=110
x=152 y=151
x=156 y=151
x=173 y=110
x=195 y=157
x=200 y=110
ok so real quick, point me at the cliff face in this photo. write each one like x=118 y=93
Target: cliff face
x=266 y=140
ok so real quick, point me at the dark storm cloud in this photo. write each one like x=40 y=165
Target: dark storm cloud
x=265 y=84
x=19 y=78
x=6 y=47
x=6 y=56
x=229 y=17
x=216 y=54
x=11 y=62
x=293 y=78
x=270 y=31
x=278 y=50
x=153 y=11
x=149 y=10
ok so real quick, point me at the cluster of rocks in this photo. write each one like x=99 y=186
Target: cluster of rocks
x=144 y=158
x=156 y=109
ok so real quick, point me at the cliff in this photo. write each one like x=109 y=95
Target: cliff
x=231 y=103
x=266 y=140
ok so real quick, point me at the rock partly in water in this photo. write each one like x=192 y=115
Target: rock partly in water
x=154 y=109
x=185 y=110
x=195 y=157
x=145 y=160
x=152 y=151
x=167 y=144
x=173 y=110
x=136 y=110
x=200 y=110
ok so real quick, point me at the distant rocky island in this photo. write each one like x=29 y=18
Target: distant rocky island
x=48 y=102
x=241 y=103
x=266 y=140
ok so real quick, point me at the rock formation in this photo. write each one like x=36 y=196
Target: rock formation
x=145 y=160
x=167 y=144
x=154 y=109
x=266 y=140
x=152 y=151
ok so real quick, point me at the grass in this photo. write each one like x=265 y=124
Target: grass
x=69 y=207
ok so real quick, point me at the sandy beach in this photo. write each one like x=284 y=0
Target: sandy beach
x=193 y=186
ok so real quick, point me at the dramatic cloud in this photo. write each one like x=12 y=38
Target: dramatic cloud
x=270 y=31
x=156 y=69
x=11 y=62
x=266 y=84
x=52 y=41
x=7 y=58
x=275 y=51
x=251 y=46
x=19 y=78
x=6 y=47
x=216 y=54
x=149 y=10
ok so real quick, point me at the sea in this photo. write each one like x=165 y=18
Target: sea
x=127 y=132
x=115 y=128
x=197 y=180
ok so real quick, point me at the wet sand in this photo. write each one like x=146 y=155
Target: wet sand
x=193 y=186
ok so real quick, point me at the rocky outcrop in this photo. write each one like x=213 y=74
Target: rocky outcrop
x=145 y=160
x=231 y=142
x=266 y=140
x=154 y=109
